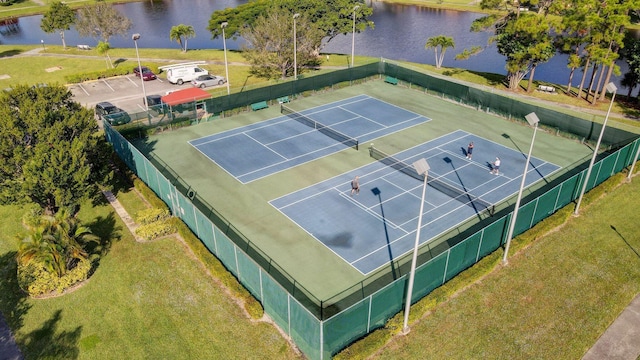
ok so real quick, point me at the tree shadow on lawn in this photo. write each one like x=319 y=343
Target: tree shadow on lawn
x=108 y=231
x=9 y=53
x=13 y=301
x=50 y=342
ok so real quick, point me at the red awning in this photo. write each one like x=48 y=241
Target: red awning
x=185 y=96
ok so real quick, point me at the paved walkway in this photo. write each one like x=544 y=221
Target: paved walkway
x=621 y=341
x=8 y=348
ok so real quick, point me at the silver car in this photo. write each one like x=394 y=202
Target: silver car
x=204 y=81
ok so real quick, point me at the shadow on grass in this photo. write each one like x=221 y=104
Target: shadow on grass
x=625 y=241
x=50 y=342
x=13 y=301
x=108 y=232
x=9 y=53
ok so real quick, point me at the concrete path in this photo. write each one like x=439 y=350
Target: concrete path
x=621 y=341
x=8 y=348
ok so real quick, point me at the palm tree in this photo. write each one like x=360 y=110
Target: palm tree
x=39 y=246
x=55 y=241
x=70 y=235
x=180 y=31
x=103 y=49
x=442 y=42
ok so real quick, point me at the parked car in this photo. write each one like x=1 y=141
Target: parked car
x=152 y=100
x=154 y=103
x=106 y=111
x=147 y=74
x=204 y=81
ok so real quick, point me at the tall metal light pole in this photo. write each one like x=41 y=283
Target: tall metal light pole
x=224 y=46
x=612 y=89
x=533 y=120
x=135 y=38
x=295 y=47
x=422 y=167
x=353 y=34
x=635 y=158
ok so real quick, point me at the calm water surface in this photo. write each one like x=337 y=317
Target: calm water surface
x=400 y=33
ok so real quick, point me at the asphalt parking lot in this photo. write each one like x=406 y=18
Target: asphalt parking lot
x=123 y=91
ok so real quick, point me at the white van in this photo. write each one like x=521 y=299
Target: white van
x=182 y=73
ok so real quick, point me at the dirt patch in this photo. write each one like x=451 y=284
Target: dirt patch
x=52 y=69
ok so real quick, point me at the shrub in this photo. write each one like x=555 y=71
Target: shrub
x=148 y=216
x=37 y=281
x=155 y=230
x=149 y=195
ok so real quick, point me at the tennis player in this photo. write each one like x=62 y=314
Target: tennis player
x=495 y=169
x=355 y=186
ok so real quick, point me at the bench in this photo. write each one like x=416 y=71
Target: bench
x=84 y=47
x=549 y=89
x=259 y=105
x=391 y=80
x=282 y=100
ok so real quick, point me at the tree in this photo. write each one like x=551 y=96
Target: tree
x=49 y=149
x=523 y=38
x=332 y=17
x=59 y=17
x=270 y=44
x=101 y=21
x=631 y=54
x=442 y=42
x=182 y=31
x=103 y=49
x=51 y=255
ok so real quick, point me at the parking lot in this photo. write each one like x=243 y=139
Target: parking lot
x=123 y=91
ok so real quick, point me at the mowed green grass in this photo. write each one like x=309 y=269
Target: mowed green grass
x=145 y=300
x=553 y=300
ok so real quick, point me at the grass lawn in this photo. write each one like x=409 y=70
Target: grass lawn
x=145 y=300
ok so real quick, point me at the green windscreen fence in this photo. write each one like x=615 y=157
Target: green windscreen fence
x=322 y=327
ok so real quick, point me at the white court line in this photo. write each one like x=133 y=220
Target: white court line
x=234 y=132
x=268 y=148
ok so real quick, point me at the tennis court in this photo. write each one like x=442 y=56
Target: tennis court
x=295 y=246
x=370 y=229
x=255 y=151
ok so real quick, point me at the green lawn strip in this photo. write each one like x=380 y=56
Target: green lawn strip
x=560 y=291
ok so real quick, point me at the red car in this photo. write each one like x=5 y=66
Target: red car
x=147 y=74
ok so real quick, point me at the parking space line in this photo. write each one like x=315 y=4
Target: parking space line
x=83 y=89
x=106 y=83
x=133 y=82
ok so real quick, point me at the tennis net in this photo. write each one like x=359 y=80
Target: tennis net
x=458 y=194
x=334 y=134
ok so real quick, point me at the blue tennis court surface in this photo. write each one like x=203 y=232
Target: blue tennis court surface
x=264 y=148
x=372 y=228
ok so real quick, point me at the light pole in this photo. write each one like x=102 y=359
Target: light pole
x=533 y=120
x=612 y=89
x=42 y=42
x=635 y=158
x=295 y=47
x=224 y=46
x=422 y=167
x=135 y=38
x=353 y=34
